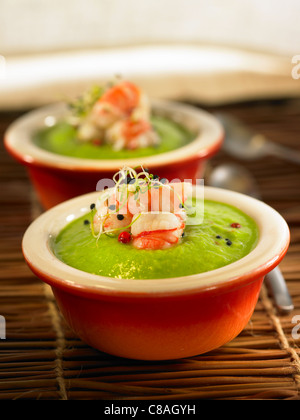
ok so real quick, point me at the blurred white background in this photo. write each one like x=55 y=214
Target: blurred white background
x=211 y=51
x=40 y=25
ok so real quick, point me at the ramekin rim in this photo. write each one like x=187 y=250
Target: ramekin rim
x=24 y=150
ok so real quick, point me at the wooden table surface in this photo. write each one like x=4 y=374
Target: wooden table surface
x=42 y=359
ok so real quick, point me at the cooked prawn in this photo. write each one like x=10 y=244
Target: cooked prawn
x=131 y=134
x=163 y=198
x=120 y=117
x=153 y=212
x=118 y=103
x=156 y=231
x=124 y=96
x=111 y=216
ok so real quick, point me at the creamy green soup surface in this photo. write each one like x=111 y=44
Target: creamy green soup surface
x=62 y=139
x=225 y=236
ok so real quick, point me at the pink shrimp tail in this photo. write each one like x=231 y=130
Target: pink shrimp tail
x=155 y=240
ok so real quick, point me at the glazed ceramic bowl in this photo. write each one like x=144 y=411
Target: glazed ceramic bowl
x=58 y=178
x=158 y=319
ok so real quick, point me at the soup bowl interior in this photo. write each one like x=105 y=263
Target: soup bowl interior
x=58 y=178
x=158 y=319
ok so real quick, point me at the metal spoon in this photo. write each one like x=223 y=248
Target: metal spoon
x=237 y=178
x=242 y=143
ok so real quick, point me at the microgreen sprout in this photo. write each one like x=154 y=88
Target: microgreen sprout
x=82 y=106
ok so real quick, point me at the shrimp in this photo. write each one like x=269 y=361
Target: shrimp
x=111 y=217
x=120 y=117
x=131 y=134
x=156 y=231
x=165 y=198
x=118 y=103
x=151 y=211
x=87 y=131
x=162 y=223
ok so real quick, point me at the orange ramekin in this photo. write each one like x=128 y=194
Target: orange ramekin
x=59 y=178
x=158 y=319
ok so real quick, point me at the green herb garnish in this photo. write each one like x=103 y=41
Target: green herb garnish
x=83 y=105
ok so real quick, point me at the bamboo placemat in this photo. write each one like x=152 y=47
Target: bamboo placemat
x=42 y=359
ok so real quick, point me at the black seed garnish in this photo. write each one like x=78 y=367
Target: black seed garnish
x=228 y=241
x=155 y=177
x=183 y=235
x=86 y=222
x=181 y=206
x=120 y=217
x=128 y=180
x=93 y=206
x=218 y=237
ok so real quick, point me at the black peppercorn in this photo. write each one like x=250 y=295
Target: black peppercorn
x=129 y=180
